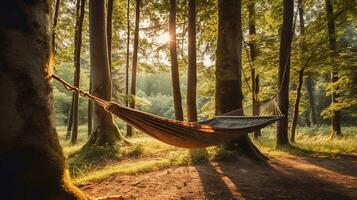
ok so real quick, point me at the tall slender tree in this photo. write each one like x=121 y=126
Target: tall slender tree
x=104 y=132
x=229 y=95
x=176 y=93
x=135 y=61
x=192 y=71
x=80 y=8
x=252 y=55
x=335 y=118
x=109 y=30
x=128 y=127
x=54 y=25
x=32 y=165
x=127 y=52
x=303 y=64
x=284 y=71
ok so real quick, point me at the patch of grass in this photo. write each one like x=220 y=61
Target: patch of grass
x=313 y=141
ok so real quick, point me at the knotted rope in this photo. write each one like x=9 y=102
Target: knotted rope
x=82 y=93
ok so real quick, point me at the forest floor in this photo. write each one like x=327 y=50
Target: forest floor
x=317 y=167
x=284 y=177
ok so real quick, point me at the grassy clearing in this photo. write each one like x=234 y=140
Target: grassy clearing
x=312 y=141
x=147 y=154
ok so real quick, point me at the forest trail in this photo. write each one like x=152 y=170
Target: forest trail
x=287 y=177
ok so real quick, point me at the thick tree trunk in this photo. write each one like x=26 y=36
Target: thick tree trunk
x=135 y=62
x=77 y=64
x=284 y=71
x=32 y=165
x=229 y=94
x=310 y=92
x=104 y=132
x=128 y=127
x=335 y=119
x=54 y=25
x=192 y=71
x=109 y=31
x=296 y=105
x=176 y=93
x=253 y=52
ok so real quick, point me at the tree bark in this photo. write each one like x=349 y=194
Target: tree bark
x=104 y=132
x=284 y=72
x=192 y=69
x=253 y=52
x=109 y=31
x=77 y=64
x=335 y=119
x=176 y=93
x=296 y=105
x=229 y=94
x=32 y=165
x=135 y=62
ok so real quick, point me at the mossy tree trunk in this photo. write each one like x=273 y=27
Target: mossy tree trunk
x=128 y=127
x=192 y=69
x=229 y=94
x=175 y=77
x=32 y=164
x=104 y=132
x=284 y=72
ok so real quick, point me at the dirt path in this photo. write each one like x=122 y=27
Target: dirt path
x=283 y=178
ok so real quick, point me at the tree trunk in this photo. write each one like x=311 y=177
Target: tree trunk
x=192 y=71
x=229 y=94
x=176 y=93
x=296 y=105
x=70 y=118
x=310 y=92
x=104 y=132
x=77 y=64
x=335 y=119
x=135 y=62
x=32 y=165
x=127 y=53
x=109 y=32
x=301 y=73
x=253 y=52
x=90 y=113
x=54 y=25
x=128 y=127
x=284 y=72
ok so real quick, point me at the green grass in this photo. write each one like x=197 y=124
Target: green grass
x=147 y=154
x=314 y=141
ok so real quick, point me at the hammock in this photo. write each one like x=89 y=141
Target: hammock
x=215 y=131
